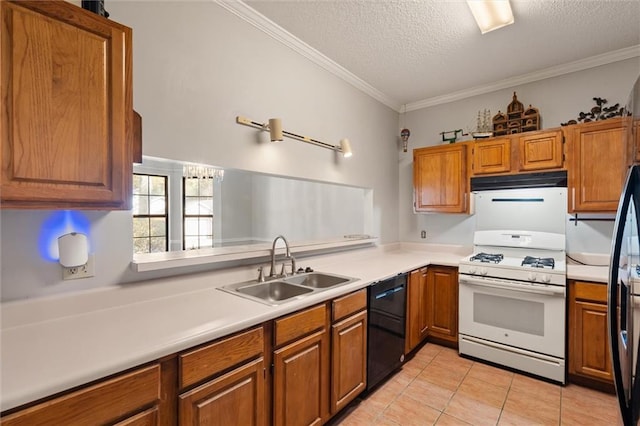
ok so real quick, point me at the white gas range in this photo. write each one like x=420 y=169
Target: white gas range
x=512 y=289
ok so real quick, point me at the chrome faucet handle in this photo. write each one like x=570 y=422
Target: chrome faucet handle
x=260 y=274
x=283 y=271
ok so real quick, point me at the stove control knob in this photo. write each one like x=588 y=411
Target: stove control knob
x=532 y=276
x=545 y=278
x=472 y=270
x=483 y=271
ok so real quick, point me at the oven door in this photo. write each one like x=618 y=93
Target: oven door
x=518 y=315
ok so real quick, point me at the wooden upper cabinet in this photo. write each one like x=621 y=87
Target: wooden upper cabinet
x=598 y=156
x=540 y=151
x=440 y=179
x=67 y=111
x=492 y=156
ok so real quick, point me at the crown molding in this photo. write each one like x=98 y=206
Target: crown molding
x=253 y=17
x=580 y=65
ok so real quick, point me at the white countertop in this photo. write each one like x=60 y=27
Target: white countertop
x=55 y=343
x=52 y=344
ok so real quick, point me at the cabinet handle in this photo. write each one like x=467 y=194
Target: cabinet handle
x=573 y=198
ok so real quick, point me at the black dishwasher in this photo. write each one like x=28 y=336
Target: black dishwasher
x=387 y=307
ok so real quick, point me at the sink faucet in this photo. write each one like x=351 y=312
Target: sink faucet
x=272 y=272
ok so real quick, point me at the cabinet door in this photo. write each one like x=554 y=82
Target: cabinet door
x=541 y=151
x=301 y=382
x=590 y=354
x=67 y=110
x=146 y=418
x=598 y=165
x=236 y=398
x=349 y=360
x=442 y=287
x=440 y=179
x=412 y=328
x=492 y=156
x=100 y=403
x=588 y=332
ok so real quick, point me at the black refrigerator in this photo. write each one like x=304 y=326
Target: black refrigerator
x=624 y=298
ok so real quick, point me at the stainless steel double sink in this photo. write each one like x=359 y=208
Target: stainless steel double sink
x=285 y=289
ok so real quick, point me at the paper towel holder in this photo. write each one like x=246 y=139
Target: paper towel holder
x=73 y=249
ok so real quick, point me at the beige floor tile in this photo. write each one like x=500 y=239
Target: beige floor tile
x=386 y=393
x=407 y=411
x=447 y=420
x=482 y=391
x=587 y=405
x=494 y=375
x=533 y=407
x=451 y=390
x=441 y=376
x=405 y=376
x=430 y=350
x=428 y=393
x=508 y=418
x=419 y=361
x=536 y=388
x=472 y=411
x=459 y=366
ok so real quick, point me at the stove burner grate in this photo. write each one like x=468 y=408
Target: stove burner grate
x=539 y=262
x=487 y=257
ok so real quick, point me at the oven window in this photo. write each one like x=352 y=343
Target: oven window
x=524 y=316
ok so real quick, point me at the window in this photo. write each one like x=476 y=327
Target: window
x=150 y=213
x=198 y=212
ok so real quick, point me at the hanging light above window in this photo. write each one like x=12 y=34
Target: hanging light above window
x=491 y=14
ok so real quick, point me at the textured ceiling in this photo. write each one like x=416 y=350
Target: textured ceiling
x=413 y=51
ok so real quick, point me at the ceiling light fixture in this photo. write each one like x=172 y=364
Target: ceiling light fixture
x=276 y=133
x=491 y=14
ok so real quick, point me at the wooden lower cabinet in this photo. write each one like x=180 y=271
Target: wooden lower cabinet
x=432 y=306
x=131 y=398
x=300 y=375
x=589 y=357
x=316 y=370
x=236 y=398
x=442 y=287
x=348 y=349
x=417 y=309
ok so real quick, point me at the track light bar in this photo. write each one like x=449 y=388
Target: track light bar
x=274 y=127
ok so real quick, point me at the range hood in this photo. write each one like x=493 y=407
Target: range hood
x=523 y=180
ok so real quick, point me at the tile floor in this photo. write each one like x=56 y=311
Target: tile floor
x=439 y=387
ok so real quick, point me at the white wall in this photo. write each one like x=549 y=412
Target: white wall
x=559 y=99
x=196 y=67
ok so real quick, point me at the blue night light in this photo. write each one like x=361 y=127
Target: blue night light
x=57 y=224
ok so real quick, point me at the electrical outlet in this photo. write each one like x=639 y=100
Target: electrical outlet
x=423 y=234
x=78 y=272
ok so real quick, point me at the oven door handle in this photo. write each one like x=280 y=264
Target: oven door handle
x=548 y=291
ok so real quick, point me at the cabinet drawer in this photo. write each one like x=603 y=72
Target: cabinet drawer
x=98 y=404
x=591 y=291
x=349 y=304
x=216 y=357
x=299 y=324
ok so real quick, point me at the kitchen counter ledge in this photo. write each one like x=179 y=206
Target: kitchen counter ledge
x=55 y=343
